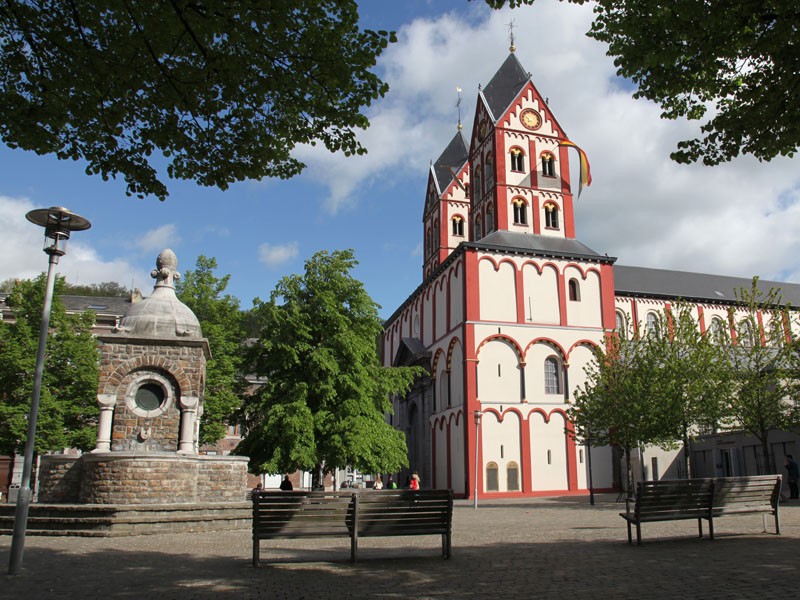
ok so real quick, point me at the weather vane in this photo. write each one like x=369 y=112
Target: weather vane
x=458 y=105
x=512 y=48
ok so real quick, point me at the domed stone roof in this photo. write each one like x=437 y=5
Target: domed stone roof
x=161 y=315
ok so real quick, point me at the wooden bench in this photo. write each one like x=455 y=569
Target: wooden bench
x=300 y=514
x=685 y=499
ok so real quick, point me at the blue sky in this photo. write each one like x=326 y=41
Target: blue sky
x=737 y=219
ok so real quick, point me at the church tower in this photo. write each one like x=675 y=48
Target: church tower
x=519 y=169
x=446 y=214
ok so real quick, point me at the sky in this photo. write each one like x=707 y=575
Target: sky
x=740 y=218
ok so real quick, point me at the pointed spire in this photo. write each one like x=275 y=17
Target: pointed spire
x=512 y=48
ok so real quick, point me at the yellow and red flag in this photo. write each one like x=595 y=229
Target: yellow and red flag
x=585 y=177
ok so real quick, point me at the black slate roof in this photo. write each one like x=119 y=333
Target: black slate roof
x=450 y=162
x=539 y=244
x=662 y=283
x=505 y=85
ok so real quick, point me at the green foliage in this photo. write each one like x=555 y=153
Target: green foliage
x=763 y=367
x=68 y=409
x=105 y=289
x=323 y=393
x=733 y=63
x=223 y=90
x=223 y=324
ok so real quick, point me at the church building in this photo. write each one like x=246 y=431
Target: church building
x=511 y=304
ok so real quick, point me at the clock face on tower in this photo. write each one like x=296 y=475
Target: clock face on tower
x=530 y=119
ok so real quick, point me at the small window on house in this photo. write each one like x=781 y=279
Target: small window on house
x=458 y=226
x=551 y=216
x=520 y=212
x=552 y=375
x=517 y=159
x=548 y=165
x=574 y=290
x=512 y=475
x=492 y=479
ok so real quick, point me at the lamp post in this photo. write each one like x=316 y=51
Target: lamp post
x=58 y=223
x=477 y=415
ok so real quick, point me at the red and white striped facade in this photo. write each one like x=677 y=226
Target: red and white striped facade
x=508 y=311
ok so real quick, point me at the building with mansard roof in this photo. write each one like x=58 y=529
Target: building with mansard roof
x=511 y=305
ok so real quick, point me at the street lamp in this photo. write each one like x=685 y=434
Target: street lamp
x=477 y=415
x=58 y=223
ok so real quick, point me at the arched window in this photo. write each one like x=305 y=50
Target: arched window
x=548 y=164
x=622 y=328
x=718 y=330
x=492 y=479
x=512 y=476
x=520 y=211
x=458 y=226
x=476 y=183
x=552 y=375
x=489 y=219
x=488 y=174
x=746 y=334
x=517 y=160
x=550 y=216
x=652 y=324
x=428 y=244
x=574 y=290
x=477 y=232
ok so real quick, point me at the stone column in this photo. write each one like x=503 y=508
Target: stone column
x=107 y=402
x=188 y=406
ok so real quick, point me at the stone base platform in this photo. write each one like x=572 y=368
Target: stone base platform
x=114 y=520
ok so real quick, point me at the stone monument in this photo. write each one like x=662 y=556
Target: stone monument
x=150 y=393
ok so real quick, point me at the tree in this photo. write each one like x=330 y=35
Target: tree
x=735 y=63
x=323 y=394
x=106 y=288
x=68 y=410
x=762 y=369
x=693 y=378
x=222 y=323
x=619 y=403
x=223 y=90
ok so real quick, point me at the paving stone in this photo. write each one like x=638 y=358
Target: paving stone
x=549 y=548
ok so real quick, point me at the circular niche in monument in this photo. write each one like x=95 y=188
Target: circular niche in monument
x=149 y=395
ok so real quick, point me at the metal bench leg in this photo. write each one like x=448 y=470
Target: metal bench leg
x=256 y=551
x=630 y=538
x=638 y=534
x=700 y=528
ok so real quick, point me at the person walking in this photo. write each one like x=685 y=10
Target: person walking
x=793 y=472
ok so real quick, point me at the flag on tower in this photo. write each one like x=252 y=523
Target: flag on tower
x=585 y=177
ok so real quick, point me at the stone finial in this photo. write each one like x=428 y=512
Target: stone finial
x=166 y=271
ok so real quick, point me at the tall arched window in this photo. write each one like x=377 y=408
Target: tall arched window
x=517 y=160
x=492 y=479
x=552 y=375
x=621 y=324
x=550 y=216
x=477 y=231
x=746 y=334
x=652 y=324
x=458 y=226
x=574 y=290
x=476 y=183
x=548 y=164
x=512 y=477
x=489 y=219
x=718 y=330
x=488 y=174
x=520 y=212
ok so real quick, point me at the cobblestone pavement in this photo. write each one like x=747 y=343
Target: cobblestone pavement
x=543 y=548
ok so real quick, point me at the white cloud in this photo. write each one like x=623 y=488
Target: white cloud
x=22 y=257
x=158 y=239
x=739 y=218
x=274 y=256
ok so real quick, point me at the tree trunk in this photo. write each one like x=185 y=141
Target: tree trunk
x=766 y=452
x=318 y=478
x=629 y=472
